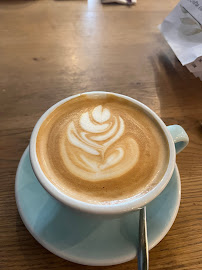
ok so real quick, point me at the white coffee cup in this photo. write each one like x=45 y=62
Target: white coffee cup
x=177 y=140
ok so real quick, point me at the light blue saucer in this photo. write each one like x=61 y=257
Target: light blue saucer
x=85 y=239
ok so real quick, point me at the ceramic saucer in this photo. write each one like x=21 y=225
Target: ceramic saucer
x=86 y=239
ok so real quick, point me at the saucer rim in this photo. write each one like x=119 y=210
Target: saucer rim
x=93 y=262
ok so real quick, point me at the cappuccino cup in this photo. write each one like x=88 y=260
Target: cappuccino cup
x=104 y=153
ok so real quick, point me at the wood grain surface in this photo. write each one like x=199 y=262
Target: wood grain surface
x=53 y=49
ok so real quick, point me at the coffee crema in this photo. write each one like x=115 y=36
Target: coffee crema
x=102 y=149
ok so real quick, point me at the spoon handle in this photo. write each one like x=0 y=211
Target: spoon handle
x=143 y=254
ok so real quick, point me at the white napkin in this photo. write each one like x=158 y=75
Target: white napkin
x=196 y=68
x=122 y=2
x=183 y=32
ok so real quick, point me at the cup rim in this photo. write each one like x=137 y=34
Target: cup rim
x=119 y=208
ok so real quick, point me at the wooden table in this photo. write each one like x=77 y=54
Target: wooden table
x=53 y=49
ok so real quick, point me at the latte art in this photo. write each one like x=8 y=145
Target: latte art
x=101 y=154
x=101 y=150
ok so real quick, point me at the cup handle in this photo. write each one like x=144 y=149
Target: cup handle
x=180 y=137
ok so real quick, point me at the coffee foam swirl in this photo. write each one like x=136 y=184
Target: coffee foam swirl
x=98 y=152
x=101 y=150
